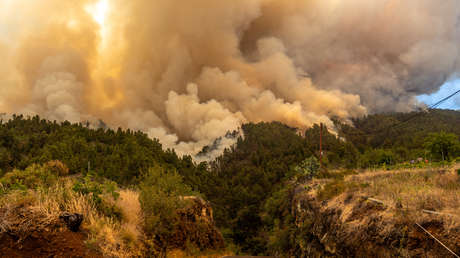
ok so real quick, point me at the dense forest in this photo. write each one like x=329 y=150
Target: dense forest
x=119 y=155
x=250 y=185
x=379 y=139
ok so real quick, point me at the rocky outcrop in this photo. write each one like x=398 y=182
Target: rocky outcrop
x=195 y=225
x=72 y=220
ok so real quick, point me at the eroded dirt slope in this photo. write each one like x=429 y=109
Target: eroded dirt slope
x=25 y=232
x=364 y=221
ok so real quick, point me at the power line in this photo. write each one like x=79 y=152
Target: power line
x=409 y=118
x=443 y=245
x=444 y=99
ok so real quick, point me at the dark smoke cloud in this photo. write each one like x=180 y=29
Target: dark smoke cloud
x=385 y=51
x=189 y=71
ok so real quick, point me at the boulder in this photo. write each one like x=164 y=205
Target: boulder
x=72 y=220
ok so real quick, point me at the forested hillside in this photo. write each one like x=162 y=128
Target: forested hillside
x=406 y=130
x=387 y=139
x=250 y=186
x=119 y=155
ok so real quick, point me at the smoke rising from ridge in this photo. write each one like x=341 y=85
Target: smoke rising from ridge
x=187 y=72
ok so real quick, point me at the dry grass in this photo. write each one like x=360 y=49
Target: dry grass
x=131 y=228
x=183 y=254
x=412 y=191
x=429 y=190
x=24 y=212
x=389 y=203
x=15 y=216
x=119 y=239
x=112 y=238
x=372 y=174
x=59 y=198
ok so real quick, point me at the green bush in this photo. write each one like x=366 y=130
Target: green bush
x=160 y=197
x=103 y=193
x=332 y=189
x=377 y=158
x=278 y=222
x=57 y=167
x=33 y=177
x=308 y=168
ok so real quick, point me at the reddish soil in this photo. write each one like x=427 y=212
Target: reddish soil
x=47 y=244
x=29 y=233
x=367 y=232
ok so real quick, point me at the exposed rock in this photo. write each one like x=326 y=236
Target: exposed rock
x=72 y=220
x=195 y=225
x=27 y=232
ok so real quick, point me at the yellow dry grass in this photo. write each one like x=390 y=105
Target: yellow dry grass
x=416 y=190
x=183 y=254
x=120 y=239
x=407 y=196
x=131 y=228
x=408 y=192
x=112 y=238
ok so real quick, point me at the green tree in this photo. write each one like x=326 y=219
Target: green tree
x=377 y=157
x=161 y=196
x=444 y=146
x=308 y=168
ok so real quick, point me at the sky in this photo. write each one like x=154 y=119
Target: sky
x=446 y=90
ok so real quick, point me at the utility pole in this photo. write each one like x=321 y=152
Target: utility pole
x=321 y=145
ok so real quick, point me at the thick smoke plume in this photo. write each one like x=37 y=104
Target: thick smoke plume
x=187 y=72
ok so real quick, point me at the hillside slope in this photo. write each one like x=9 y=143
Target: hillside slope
x=379 y=214
x=400 y=129
x=250 y=187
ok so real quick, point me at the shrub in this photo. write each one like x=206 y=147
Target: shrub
x=32 y=177
x=308 y=168
x=160 y=198
x=377 y=158
x=103 y=194
x=337 y=187
x=57 y=167
x=331 y=190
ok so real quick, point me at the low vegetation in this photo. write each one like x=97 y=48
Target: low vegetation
x=384 y=211
x=134 y=194
x=119 y=222
x=112 y=224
